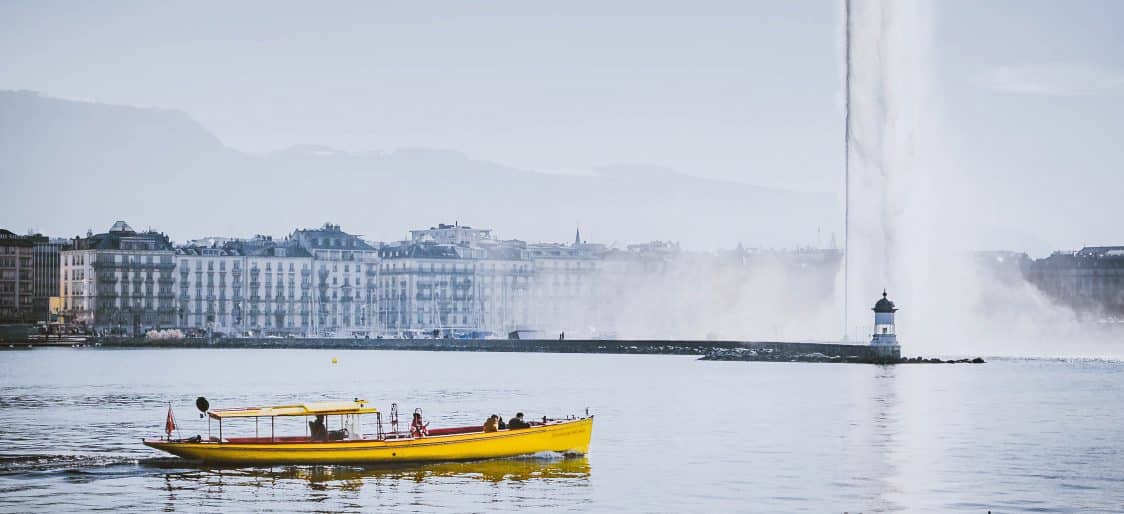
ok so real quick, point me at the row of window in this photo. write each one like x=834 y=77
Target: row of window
x=237 y=265
x=10 y=262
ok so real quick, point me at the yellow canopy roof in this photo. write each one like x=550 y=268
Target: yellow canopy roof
x=300 y=409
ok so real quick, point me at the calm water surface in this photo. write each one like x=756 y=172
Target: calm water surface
x=671 y=433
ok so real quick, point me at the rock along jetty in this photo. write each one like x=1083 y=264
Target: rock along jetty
x=769 y=355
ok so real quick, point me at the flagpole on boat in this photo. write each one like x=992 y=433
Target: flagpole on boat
x=169 y=423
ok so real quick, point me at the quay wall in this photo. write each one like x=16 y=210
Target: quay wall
x=776 y=350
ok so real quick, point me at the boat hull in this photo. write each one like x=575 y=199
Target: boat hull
x=563 y=437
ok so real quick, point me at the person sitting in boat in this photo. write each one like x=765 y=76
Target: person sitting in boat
x=417 y=427
x=490 y=424
x=499 y=422
x=337 y=435
x=317 y=428
x=517 y=422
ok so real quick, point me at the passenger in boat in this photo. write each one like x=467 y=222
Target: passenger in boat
x=317 y=428
x=517 y=422
x=337 y=435
x=490 y=424
x=417 y=428
x=500 y=423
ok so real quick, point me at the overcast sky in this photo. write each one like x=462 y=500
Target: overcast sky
x=1031 y=92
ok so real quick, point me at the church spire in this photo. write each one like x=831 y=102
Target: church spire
x=578 y=236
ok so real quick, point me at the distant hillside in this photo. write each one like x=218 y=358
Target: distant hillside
x=69 y=165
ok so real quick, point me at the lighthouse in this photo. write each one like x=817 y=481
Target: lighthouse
x=885 y=337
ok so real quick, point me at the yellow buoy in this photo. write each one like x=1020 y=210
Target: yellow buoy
x=334 y=361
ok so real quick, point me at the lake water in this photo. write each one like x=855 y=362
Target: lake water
x=671 y=433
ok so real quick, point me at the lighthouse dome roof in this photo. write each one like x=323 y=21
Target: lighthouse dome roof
x=884 y=304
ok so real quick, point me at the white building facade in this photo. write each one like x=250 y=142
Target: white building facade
x=564 y=287
x=426 y=287
x=445 y=281
x=315 y=283
x=344 y=279
x=120 y=281
x=503 y=287
x=254 y=287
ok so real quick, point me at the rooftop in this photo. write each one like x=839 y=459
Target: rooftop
x=122 y=237
x=121 y=226
x=1101 y=251
x=884 y=304
x=419 y=251
x=356 y=406
x=329 y=237
x=9 y=238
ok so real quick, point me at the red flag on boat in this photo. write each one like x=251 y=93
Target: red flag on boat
x=170 y=424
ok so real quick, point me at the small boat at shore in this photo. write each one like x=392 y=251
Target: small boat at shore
x=350 y=445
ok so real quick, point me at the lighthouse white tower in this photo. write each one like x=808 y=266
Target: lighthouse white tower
x=885 y=336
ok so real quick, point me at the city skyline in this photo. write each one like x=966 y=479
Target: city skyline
x=466 y=281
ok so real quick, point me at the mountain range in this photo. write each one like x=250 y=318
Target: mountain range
x=68 y=166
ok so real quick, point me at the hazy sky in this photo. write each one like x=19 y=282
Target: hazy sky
x=1031 y=93
x=740 y=90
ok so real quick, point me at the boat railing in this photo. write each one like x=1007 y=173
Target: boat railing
x=380 y=433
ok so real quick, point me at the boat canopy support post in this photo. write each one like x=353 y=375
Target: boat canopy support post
x=220 y=430
x=256 y=427
x=272 y=428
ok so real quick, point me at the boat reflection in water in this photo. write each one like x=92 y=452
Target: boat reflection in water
x=353 y=477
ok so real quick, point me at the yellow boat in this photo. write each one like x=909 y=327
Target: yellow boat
x=350 y=446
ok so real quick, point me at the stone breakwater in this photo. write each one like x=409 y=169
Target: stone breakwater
x=768 y=355
x=667 y=347
x=774 y=351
